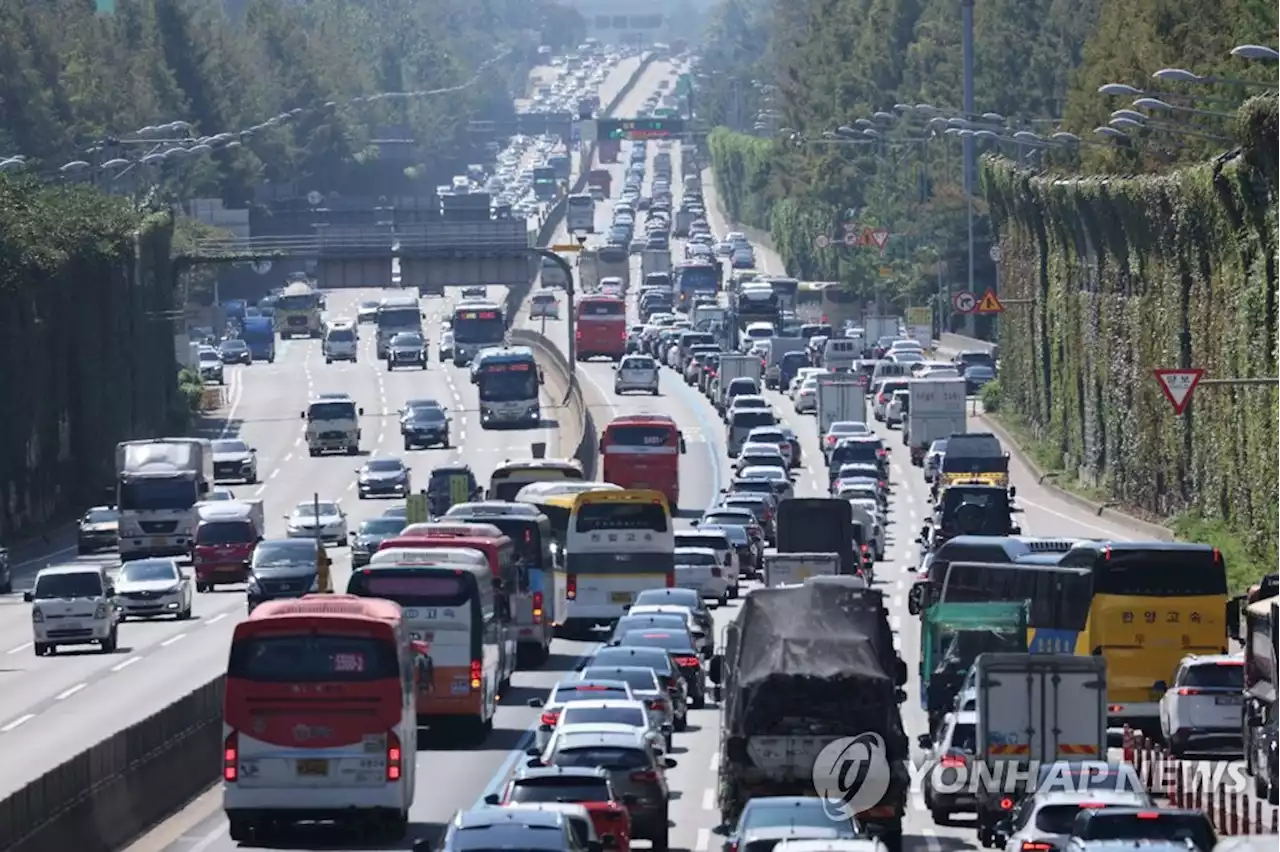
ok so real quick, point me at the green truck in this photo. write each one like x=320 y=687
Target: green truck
x=953 y=635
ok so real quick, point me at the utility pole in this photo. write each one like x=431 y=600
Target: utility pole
x=970 y=167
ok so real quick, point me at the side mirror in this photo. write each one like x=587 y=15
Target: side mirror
x=420 y=648
x=1015 y=530
x=28 y=597
x=532 y=752
x=533 y=763
x=669 y=763
x=683 y=447
x=924 y=741
x=723 y=830
x=595 y=846
x=303 y=415
x=492 y=799
x=630 y=799
x=1013 y=491
x=422 y=844
x=915 y=599
x=694 y=523
x=1233 y=618
x=715 y=670
x=900 y=695
x=899 y=672
x=613 y=365
x=536 y=702
x=609 y=841
x=360 y=411
x=1160 y=686
x=253 y=449
x=924 y=533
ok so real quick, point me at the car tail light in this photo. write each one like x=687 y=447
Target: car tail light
x=880 y=452
x=1186 y=690
x=231 y=758
x=687 y=662
x=395 y=757
x=1148 y=815
x=880 y=398
x=1084 y=806
x=732 y=846
x=644 y=775
x=1036 y=846
x=571 y=587
x=716 y=572
x=658 y=704
x=884 y=485
x=1006 y=804
x=624 y=335
x=477 y=670
x=831 y=439
x=537 y=607
x=953 y=761
x=577 y=334
x=550 y=718
x=671 y=579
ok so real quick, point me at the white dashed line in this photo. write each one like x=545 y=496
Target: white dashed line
x=172 y=639
x=119 y=667
x=297 y=442
x=895 y=621
x=704 y=840
x=274 y=474
x=708 y=800
x=215 y=619
x=21 y=720
x=258 y=493
x=289 y=457
x=67 y=693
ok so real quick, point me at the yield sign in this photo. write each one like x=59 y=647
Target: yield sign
x=878 y=236
x=1178 y=385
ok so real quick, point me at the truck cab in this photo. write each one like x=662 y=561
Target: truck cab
x=333 y=425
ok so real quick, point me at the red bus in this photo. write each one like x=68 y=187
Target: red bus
x=643 y=451
x=601 y=327
x=504 y=564
x=319 y=716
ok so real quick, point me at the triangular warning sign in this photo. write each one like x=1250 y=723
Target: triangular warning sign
x=1178 y=385
x=989 y=304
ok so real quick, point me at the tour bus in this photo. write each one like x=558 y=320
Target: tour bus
x=580 y=213
x=601 y=327
x=643 y=451
x=298 y=311
x=476 y=325
x=1154 y=602
x=450 y=605
x=532 y=604
x=319 y=717
x=618 y=544
x=555 y=500
x=504 y=569
x=507 y=381
x=396 y=314
x=511 y=476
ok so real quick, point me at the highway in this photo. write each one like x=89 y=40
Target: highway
x=704 y=469
x=52 y=708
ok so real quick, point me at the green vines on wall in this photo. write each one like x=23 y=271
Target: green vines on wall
x=1126 y=276
x=87 y=343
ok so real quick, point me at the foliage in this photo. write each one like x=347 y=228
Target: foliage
x=70 y=77
x=990 y=396
x=191 y=389
x=1123 y=277
x=85 y=296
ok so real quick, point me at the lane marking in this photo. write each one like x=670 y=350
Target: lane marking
x=21 y=720
x=708 y=799
x=172 y=639
x=703 y=842
x=216 y=619
x=20 y=648
x=118 y=667
x=67 y=693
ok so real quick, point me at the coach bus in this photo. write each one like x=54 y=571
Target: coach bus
x=450 y=605
x=476 y=326
x=600 y=327
x=319 y=716
x=512 y=475
x=618 y=544
x=643 y=451
x=555 y=500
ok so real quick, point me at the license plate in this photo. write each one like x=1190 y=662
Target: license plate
x=312 y=768
x=620 y=597
x=157 y=541
x=1229 y=699
x=71 y=625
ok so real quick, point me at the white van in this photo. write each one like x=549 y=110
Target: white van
x=890 y=370
x=841 y=354
x=341 y=341
x=73 y=605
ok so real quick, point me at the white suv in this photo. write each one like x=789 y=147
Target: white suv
x=73 y=605
x=636 y=373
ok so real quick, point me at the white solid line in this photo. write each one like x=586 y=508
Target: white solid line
x=20 y=648
x=708 y=799
x=704 y=840
x=121 y=666
x=16 y=722
x=209 y=839
x=67 y=693
x=166 y=643
x=715 y=762
x=216 y=619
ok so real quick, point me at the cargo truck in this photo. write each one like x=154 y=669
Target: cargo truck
x=1034 y=709
x=654 y=261
x=878 y=327
x=597 y=264
x=734 y=366
x=684 y=218
x=158 y=484
x=935 y=410
x=789 y=569
x=259 y=334
x=840 y=397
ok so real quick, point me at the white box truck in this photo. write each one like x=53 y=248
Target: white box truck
x=792 y=569
x=1034 y=709
x=158 y=484
x=935 y=410
x=878 y=327
x=734 y=366
x=840 y=397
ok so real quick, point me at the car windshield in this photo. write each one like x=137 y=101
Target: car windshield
x=1216 y=676
x=230 y=447
x=233 y=345
x=729 y=518
x=279 y=554
x=675 y=597
x=570 y=694
x=147 y=570
x=382 y=526
x=657 y=639
x=640 y=680
x=1056 y=819
x=384 y=465
x=849 y=427
x=80 y=584
x=607 y=757
x=102 y=516
x=767 y=815
x=560 y=788
x=651 y=658
x=208 y=355
x=312 y=509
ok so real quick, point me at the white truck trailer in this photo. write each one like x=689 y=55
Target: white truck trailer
x=935 y=410
x=792 y=569
x=735 y=366
x=840 y=397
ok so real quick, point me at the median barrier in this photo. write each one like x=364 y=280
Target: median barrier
x=101 y=799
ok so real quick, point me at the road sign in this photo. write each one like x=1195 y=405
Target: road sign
x=989 y=304
x=964 y=302
x=638 y=128
x=567 y=247
x=262 y=267
x=314 y=198
x=995 y=253
x=885 y=272
x=851 y=239
x=878 y=236
x=1178 y=386
x=821 y=241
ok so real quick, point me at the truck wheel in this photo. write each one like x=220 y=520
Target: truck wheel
x=328 y=360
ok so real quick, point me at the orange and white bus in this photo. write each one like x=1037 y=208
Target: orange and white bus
x=449 y=604
x=642 y=451
x=319 y=722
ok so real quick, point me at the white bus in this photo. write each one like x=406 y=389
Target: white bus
x=617 y=544
x=476 y=325
x=508 y=381
x=580 y=214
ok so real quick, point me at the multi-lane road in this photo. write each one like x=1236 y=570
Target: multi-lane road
x=51 y=708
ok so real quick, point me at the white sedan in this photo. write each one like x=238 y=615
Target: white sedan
x=147 y=588
x=544 y=305
x=324 y=517
x=807 y=396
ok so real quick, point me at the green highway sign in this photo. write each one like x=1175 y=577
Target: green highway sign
x=638 y=128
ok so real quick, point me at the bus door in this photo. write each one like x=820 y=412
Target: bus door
x=452 y=608
x=644 y=456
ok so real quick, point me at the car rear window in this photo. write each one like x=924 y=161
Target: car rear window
x=1216 y=676
x=560 y=788
x=608 y=757
x=1056 y=819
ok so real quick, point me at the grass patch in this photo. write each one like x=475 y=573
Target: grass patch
x=1244 y=568
x=1046 y=456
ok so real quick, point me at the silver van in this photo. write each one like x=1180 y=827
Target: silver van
x=743 y=422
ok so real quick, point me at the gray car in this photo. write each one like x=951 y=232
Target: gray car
x=234 y=460
x=645 y=687
x=372 y=533
x=148 y=588
x=407 y=349
x=506 y=828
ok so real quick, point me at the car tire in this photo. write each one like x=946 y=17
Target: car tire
x=328 y=360
x=681 y=724
x=42 y=649
x=185 y=614
x=112 y=641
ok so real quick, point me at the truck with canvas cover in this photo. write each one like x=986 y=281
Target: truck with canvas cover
x=951 y=638
x=1034 y=709
x=819 y=525
x=1260 y=656
x=802 y=667
x=601 y=179
x=936 y=411
x=789 y=569
x=754 y=301
x=974 y=457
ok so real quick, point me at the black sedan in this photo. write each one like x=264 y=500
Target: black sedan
x=407 y=349
x=424 y=426
x=685 y=657
x=383 y=478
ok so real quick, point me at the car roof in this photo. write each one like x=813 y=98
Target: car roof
x=570 y=771
x=1101 y=797
x=705 y=550
x=610 y=704
x=81 y=568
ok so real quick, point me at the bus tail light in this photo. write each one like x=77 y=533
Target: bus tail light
x=477 y=670
x=671 y=579
x=395 y=757
x=537 y=607
x=577 y=334
x=571 y=587
x=231 y=758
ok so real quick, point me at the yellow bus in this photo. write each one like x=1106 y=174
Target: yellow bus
x=1154 y=602
x=510 y=476
x=618 y=544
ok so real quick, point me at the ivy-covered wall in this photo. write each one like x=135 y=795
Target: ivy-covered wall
x=1126 y=276
x=86 y=343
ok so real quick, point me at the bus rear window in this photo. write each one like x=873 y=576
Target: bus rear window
x=640 y=436
x=602 y=309
x=1159 y=573
x=413 y=588
x=313 y=658
x=598 y=517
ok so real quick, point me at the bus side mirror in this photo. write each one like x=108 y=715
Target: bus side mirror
x=915 y=599
x=1233 y=618
x=1013 y=491
x=899 y=672
x=683 y=447
x=302 y=416
x=715 y=669
x=360 y=411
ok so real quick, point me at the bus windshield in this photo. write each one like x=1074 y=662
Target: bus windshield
x=640 y=439
x=1173 y=572
x=508 y=381
x=602 y=309
x=399 y=317
x=413 y=587
x=1059 y=597
x=484 y=325
x=597 y=517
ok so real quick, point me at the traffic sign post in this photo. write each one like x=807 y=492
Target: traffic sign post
x=851 y=239
x=879 y=237
x=964 y=302
x=989 y=304
x=821 y=241
x=1178 y=386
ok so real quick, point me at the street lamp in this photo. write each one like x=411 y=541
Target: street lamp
x=1256 y=51
x=1110 y=132
x=1182 y=75
x=1165 y=106
x=1140 y=121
